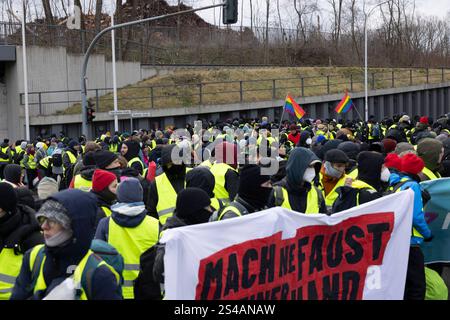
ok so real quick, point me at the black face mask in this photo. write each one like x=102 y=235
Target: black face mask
x=259 y=198
x=108 y=196
x=175 y=170
x=200 y=216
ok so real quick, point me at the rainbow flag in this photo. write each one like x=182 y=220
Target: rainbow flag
x=345 y=105
x=293 y=108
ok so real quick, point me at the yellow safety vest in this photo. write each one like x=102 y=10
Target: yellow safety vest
x=216 y=204
x=167 y=198
x=136 y=159
x=77 y=276
x=131 y=243
x=82 y=183
x=72 y=158
x=206 y=163
x=312 y=200
x=45 y=162
x=114 y=147
x=333 y=195
x=219 y=170
x=270 y=139
x=10 y=264
x=430 y=174
x=5 y=151
x=31 y=163
x=106 y=210
x=353 y=174
x=229 y=208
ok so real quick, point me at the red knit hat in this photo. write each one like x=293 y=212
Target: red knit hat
x=424 y=120
x=102 y=179
x=412 y=164
x=392 y=160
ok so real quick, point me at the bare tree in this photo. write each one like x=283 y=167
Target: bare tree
x=98 y=15
x=48 y=12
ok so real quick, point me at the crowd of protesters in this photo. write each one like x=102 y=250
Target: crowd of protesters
x=65 y=201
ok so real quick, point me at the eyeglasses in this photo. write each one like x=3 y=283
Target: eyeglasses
x=42 y=219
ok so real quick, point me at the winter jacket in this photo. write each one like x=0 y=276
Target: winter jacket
x=81 y=208
x=418 y=215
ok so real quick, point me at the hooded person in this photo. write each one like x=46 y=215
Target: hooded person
x=129 y=229
x=68 y=223
x=192 y=207
x=104 y=185
x=352 y=150
x=14 y=176
x=432 y=152
x=83 y=180
x=162 y=193
x=69 y=159
x=297 y=191
x=202 y=178
x=253 y=194
x=411 y=166
x=329 y=145
x=333 y=176
x=225 y=171
x=368 y=185
x=130 y=150
x=19 y=232
x=305 y=139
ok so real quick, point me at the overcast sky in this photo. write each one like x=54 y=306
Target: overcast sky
x=438 y=8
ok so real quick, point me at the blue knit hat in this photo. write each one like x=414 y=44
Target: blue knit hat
x=129 y=191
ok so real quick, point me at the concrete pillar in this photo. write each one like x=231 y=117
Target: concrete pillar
x=433 y=103
x=409 y=103
x=391 y=107
x=168 y=121
x=441 y=101
x=253 y=113
x=380 y=108
x=324 y=110
x=313 y=112
x=427 y=103
x=401 y=105
x=418 y=104
x=270 y=113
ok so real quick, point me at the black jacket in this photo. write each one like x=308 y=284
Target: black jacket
x=21 y=230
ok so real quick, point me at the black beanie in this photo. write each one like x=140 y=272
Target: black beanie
x=190 y=205
x=89 y=159
x=8 y=197
x=12 y=173
x=336 y=156
x=103 y=158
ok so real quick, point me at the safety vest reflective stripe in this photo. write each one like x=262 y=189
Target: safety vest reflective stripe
x=430 y=174
x=312 y=201
x=358 y=184
x=215 y=203
x=131 y=243
x=167 y=198
x=82 y=183
x=10 y=265
x=219 y=171
x=45 y=162
x=114 y=147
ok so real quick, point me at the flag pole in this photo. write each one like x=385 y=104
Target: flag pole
x=354 y=107
x=281 y=120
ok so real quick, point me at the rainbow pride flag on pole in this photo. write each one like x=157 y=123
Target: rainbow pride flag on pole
x=293 y=108
x=345 y=105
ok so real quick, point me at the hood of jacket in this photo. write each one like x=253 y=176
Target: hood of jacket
x=82 y=210
x=174 y=222
x=369 y=168
x=429 y=150
x=303 y=137
x=133 y=150
x=298 y=162
x=128 y=215
x=202 y=178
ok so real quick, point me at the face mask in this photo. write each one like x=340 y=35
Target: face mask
x=59 y=238
x=309 y=175
x=308 y=141
x=385 y=175
x=331 y=171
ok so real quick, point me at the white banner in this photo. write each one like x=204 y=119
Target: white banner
x=361 y=253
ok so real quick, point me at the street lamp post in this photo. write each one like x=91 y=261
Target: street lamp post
x=366 y=89
x=25 y=74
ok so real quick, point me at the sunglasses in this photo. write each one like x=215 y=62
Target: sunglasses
x=42 y=219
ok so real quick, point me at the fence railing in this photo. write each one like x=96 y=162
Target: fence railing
x=226 y=92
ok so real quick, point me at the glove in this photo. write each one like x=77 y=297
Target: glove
x=429 y=239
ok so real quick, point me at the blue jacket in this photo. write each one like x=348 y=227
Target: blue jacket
x=418 y=215
x=82 y=210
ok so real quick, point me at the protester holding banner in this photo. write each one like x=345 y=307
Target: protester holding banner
x=408 y=178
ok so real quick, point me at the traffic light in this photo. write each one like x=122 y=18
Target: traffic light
x=230 y=12
x=90 y=112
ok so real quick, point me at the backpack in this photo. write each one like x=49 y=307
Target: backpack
x=376 y=132
x=145 y=286
x=102 y=250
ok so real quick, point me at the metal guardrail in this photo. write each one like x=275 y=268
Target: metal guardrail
x=236 y=91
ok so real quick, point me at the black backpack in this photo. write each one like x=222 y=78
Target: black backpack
x=145 y=286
